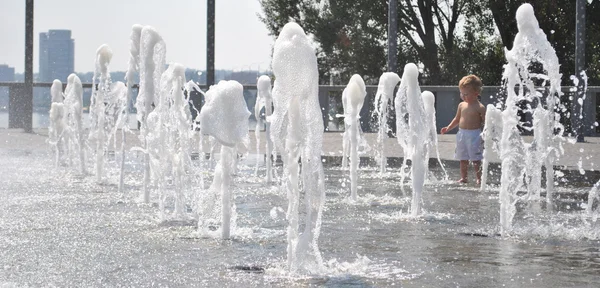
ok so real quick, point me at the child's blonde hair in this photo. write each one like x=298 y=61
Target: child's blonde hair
x=471 y=81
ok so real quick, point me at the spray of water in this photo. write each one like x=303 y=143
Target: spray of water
x=74 y=107
x=429 y=104
x=530 y=46
x=593 y=197
x=132 y=69
x=354 y=95
x=492 y=132
x=99 y=127
x=383 y=98
x=190 y=87
x=56 y=130
x=152 y=62
x=409 y=104
x=169 y=141
x=297 y=131
x=224 y=116
x=264 y=100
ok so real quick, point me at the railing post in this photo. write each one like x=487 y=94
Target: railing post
x=392 y=35
x=210 y=43
x=324 y=103
x=26 y=110
x=577 y=120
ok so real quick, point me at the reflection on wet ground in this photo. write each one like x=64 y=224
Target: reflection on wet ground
x=58 y=228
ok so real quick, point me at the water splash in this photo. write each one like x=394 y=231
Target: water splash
x=56 y=130
x=132 y=69
x=264 y=100
x=224 y=116
x=593 y=197
x=492 y=133
x=429 y=104
x=530 y=46
x=99 y=126
x=152 y=62
x=297 y=131
x=383 y=98
x=168 y=141
x=74 y=107
x=409 y=104
x=354 y=97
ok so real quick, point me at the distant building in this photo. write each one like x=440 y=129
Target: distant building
x=7 y=73
x=57 y=55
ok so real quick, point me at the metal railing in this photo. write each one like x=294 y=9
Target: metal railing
x=447 y=99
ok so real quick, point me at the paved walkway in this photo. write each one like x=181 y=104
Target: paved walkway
x=587 y=153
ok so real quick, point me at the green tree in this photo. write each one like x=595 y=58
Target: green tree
x=352 y=36
x=558 y=22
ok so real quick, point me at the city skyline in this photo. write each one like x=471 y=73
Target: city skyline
x=183 y=27
x=56 y=55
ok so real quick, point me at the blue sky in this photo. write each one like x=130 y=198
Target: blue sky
x=242 y=41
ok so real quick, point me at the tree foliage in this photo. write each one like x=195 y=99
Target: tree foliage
x=558 y=23
x=446 y=38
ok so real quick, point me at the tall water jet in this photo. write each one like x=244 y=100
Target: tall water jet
x=224 y=116
x=491 y=134
x=98 y=106
x=74 y=106
x=56 y=130
x=297 y=131
x=118 y=110
x=264 y=100
x=169 y=140
x=354 y=94
x=181 y=134
x=191 y=86
x=346 y=134
x=429 y=105
x=409 y=104
x=383 y=98
x=530 y=46
x=132 y=69
x=152 y=64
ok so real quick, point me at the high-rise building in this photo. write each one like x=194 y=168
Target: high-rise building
x=57 y=55
x=7 y=73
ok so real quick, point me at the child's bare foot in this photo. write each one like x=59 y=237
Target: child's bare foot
x=462 y=180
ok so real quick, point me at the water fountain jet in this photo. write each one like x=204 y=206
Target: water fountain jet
x=74 y=106
x=152 y=62
x=530 y=45
x=383 y=98
x=264 y=99
x=98 y=107
x=409 y=104
x=132 y=69
x=429 y=104
x=224 y=116
x=56 y=130
x=354 y=97
x=297 y=131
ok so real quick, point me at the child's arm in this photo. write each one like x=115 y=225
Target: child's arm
x=454 y=122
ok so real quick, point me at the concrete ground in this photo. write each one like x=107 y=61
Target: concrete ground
x=576 y=157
